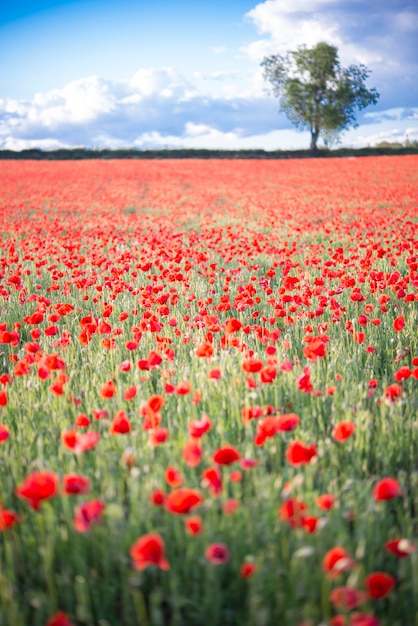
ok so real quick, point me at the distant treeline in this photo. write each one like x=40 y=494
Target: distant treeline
x=187 y=153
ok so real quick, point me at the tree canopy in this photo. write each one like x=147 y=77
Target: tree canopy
x=316 y=93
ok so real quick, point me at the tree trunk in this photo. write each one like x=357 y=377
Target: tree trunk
x=314 y=139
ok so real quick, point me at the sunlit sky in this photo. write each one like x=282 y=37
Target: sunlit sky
x=165 y=73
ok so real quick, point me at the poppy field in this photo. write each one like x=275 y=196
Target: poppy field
x=209 y=392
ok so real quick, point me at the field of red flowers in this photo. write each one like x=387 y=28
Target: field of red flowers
x=208 y=393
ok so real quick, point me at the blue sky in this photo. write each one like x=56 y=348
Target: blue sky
x=152 y=74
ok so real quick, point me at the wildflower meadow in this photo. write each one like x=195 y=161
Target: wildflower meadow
x=209 y=392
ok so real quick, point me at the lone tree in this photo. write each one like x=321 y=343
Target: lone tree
x=316 y=93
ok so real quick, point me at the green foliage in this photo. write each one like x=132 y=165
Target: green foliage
x=316 y=93
x=381 y=149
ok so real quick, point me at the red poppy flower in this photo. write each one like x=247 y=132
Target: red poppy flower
x=213 y=479
x=399 y=323
x=316 y=349
x=215 y=374
x=149 y=550
x=403 y=373
x=4 y=433
x=343 y=431
x=363 y=619
x=217 y=553
x=197 y=396
x=247 y=570
x=74 y=484
x=82 y=421
x=37 y=487
x=57 y=386
x=157 y=497
x=197 y=428
x=87 y=514
x=51 y=331
x=347 y=598
x=250 y=382
x=193 y=525
x=252 y=365
x=3 y=397
x=266 y=428
x=303 y=382
x=287 y=422
x=249 y=413
x=154 y=359
x=125 y=366
x=298 y=454
x=325 y=501
x=69 y=438
x=192 y=453
x=183 y=388
x=226 y=455
x=173 y=477
x=387 y=489
x=205 y=350
x=232 y=325
x=104 y=328
x=286 y=366
x=379 y=584
x=393 y=392
x=155 y=403
x=130 y=393
x=108 y=390
x=336 y=562
x=152 y=420
x=310 y=524
x=359 y=337
x=230 y=506
x=247 y=464
x=59 y=619
x=158 y=436
x=7 y=519
x=293 y=512
x=235 y=476
x=86 y=441
x=120 y=424
x=400 y=548
x=35 y=318
x=181 y=501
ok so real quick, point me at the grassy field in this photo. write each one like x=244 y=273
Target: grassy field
x=208 y=392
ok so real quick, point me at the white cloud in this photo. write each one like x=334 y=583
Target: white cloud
x=196 y=130
x=397 y=114
x=196 y=136
x=407 y=20
x=230 y=85
x=219 y=49
x=78 y=102
x=93 y=111
x=164 y=82
x=395 y=135
x=289 y=23
x=11 y=143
